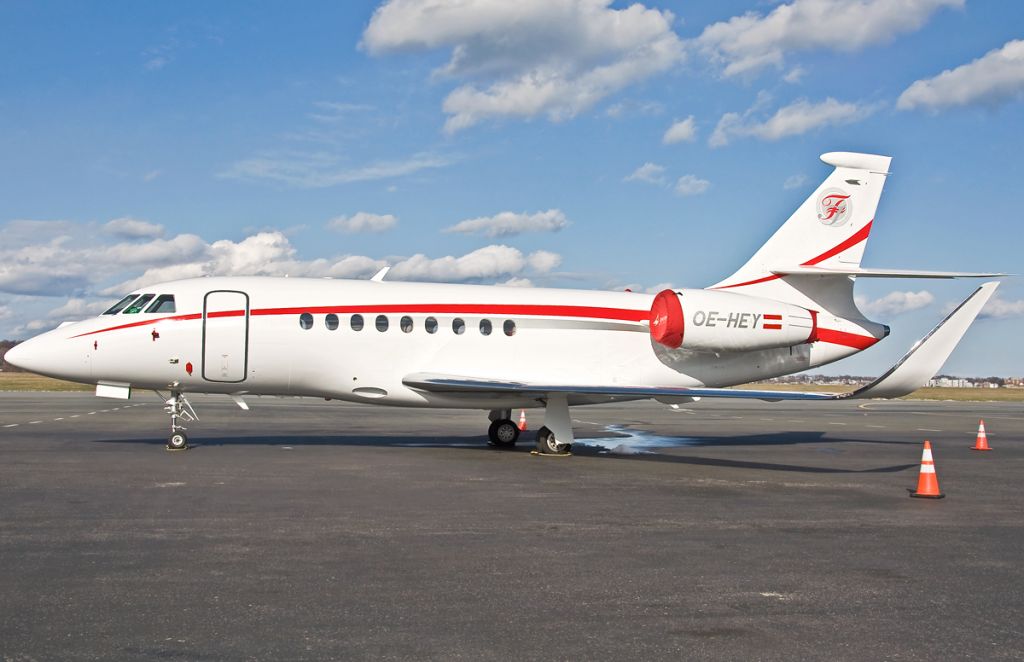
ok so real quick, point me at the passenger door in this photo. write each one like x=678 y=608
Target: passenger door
x=225 y=336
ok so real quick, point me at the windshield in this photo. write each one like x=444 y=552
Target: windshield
x=119 y=306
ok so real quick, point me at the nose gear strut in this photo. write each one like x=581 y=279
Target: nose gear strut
x=179 y=408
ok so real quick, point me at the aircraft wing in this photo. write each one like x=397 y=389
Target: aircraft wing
x=453 y=384
x=909 y=374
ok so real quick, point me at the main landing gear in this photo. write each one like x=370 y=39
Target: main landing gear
x=547 y=444
x=503 y=432
x=179 y=409
x=555 y=438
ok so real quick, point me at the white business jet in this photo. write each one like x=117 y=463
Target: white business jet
x=789 y=308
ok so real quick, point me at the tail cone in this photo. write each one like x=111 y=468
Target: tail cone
x=927 y=483
x=981 y=443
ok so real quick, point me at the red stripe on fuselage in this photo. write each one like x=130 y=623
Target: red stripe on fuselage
x=846 y=339
x=536 y=310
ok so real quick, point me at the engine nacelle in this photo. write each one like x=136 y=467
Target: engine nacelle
x=712 y=321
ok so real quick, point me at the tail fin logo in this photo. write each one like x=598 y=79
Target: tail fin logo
x=834 y=207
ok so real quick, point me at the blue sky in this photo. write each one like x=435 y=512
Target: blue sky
x=525 y=143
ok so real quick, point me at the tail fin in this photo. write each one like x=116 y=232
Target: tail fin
x=830 y=229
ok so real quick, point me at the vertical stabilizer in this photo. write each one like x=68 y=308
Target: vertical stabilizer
x=830 y=228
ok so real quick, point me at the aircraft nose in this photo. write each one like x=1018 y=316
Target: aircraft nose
x=20 y=356
x=53 y=356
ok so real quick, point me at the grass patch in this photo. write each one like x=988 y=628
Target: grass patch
x=26 y=381
x=927 y=393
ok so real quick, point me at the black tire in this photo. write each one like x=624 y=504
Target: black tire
x=503 y=433
x=177 y=442
x=548 y=445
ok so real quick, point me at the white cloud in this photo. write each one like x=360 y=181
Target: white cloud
x=531 y=57
x=998 y=308
x=798 y=117
x=509 y=223
x=894 y=303
x=794 y=181
x=794 y=75
x=335 y=111
x=681 y=131
x=691 y=185
x=517 y=282
x=996 y=77
x=543 y=261
x=151 y=175
x=133 y=228
x=629 y=107
x=363 y=222
x=321 y=169
x=651 y=173
x=72 y=262
x=754 y=41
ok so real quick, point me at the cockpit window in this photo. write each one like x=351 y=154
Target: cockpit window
x=138 y=304
x=119 y=306
x=163 y=304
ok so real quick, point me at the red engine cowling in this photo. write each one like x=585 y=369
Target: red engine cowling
x=705 y=320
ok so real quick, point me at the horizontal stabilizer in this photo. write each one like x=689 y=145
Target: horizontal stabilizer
x=877 y=273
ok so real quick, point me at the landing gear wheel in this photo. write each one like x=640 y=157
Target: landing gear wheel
x=548 y=445
x=503 y=433
x=177 y=442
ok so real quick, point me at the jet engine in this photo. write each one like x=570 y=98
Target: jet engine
x=713 y=321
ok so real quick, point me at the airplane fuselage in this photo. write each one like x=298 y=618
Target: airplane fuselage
x=358 y=340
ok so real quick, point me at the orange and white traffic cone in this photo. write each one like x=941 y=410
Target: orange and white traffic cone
x=981 y=443
x=927 y=483
x=522 y=420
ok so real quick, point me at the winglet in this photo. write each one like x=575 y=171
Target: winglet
x=926 y=357
x=379 y=276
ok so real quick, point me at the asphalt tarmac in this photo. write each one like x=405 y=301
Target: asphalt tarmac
x=318 y=530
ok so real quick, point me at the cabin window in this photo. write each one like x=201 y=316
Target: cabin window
x=510 y=328
x=331 y=321
x=430 y=324
x=163 y=304
x=485 y=327
x=357 y=322
x=138 y=304
x=119 y=306
x=382 y=323
x=406 y=324
x=458 y=326
x=306 y=321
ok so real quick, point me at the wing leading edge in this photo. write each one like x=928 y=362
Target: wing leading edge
x=909 y=374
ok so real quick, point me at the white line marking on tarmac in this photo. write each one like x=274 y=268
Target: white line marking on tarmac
x=90 y=413
x=59 y=419
x=927 y=430
x=12 y=425
x=833 y=423
x=34 y=422
x=75 y=415
x=877 y=426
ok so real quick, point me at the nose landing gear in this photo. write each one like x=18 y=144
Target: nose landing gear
x=180 y=409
